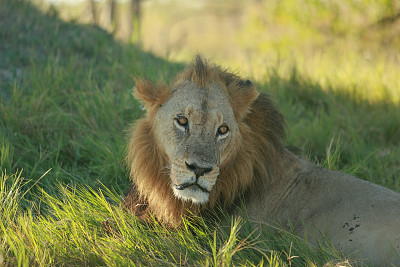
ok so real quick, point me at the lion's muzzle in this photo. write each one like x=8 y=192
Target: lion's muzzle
x=199 y=171
x=187 y=185
x=193 y=181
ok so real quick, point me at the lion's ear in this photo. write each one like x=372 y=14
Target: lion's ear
x=242 y=94
x=151 y=95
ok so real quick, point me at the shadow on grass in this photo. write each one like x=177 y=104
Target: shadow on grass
x=364 y=132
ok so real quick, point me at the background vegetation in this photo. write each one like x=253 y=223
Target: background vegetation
x=65 y=100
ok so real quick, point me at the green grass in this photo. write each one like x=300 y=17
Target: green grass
x=65 y=102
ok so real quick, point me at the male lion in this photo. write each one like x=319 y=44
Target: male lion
x=210 y=137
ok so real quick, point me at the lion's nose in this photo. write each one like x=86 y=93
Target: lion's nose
x=199 y=171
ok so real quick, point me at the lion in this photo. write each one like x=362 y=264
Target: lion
x=211 y=137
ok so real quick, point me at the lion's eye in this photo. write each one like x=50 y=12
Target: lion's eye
x=182 y=121
x=222 y=130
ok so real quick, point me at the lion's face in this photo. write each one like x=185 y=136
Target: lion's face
x=197 y=128
x=207 y=138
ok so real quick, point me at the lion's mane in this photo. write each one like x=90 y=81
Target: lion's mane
x=254 y=160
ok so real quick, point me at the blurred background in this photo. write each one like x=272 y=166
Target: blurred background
x=339 y=44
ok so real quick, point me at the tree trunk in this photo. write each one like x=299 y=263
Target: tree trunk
x=109 y=18
x=93 y=11
x=134 y=17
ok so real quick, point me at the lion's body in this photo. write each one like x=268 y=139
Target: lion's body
x=211 y=137
x=359 y=218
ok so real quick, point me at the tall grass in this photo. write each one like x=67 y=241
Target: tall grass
x=81 y=227
x=65 y=102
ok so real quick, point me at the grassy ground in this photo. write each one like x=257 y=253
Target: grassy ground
x=65 y=101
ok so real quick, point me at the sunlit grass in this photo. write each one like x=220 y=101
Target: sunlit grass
x=374 y=79
x=84 y=226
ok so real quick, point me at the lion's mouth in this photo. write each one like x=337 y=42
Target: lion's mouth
x=187 y=185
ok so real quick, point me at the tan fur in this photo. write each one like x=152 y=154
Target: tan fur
x=148 y=163
x=249 y=161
